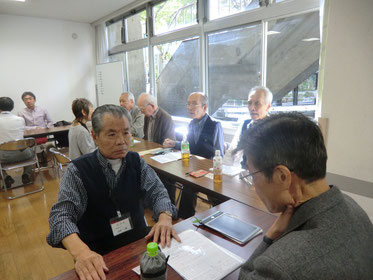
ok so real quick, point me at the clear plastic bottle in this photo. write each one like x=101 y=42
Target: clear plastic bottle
x=153 y=264
x=185 y=152
x=218 y=167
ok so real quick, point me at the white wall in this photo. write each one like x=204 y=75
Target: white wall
x=347 y=97
x=40 y=55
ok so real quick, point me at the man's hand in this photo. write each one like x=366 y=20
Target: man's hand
x=163 y=230
x=169 y=143
x=281 y=223
x=88 y=264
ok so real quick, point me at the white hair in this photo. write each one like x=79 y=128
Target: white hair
x=130 y=95
x=268 y=96
x=149 y=98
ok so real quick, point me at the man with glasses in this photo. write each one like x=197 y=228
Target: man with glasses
x=204 y=137
x=259 y=103
x=158 y=123
x=321 y=233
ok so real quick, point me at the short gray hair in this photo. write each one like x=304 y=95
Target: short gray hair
x=114 y=110
x=203 y=97
x=150 y=99
x=268 y=96
x=130 y=95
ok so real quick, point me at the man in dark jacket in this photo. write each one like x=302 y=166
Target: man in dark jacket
x=158 y=123
x=205 y=136
x=321 y=232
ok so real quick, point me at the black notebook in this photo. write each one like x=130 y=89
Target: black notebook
x=231 y=227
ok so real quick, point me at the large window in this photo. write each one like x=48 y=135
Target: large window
x=115 y=34
x=174 y=14
x=135 y=27
x=223 y=48
x=222 y=8
x=138 y=71
x=177 y=74
x=234 y=68
x=294 y=45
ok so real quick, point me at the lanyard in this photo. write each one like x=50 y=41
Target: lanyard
x=115 y=202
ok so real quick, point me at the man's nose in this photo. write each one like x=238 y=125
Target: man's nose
x=121 y=139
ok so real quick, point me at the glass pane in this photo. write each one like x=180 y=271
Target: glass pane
x=234 y=68
x=222 y=8
x=114 y=34
x=120 y=57
x=174 y=14
x=138 y=71
x=136 y=27
x=294 y=45
x=177 y=74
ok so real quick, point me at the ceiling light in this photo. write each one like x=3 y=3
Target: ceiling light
x=19 y=0
x=311 y=39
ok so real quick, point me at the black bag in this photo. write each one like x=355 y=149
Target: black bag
x=61 y=123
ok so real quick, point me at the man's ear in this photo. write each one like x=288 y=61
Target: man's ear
x=94 y=135
x=268 y=107
x=282 y=175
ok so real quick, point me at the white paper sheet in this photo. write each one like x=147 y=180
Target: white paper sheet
x=197 y=257
x=173 y=156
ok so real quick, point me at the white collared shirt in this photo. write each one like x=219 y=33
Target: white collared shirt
x=11 y=127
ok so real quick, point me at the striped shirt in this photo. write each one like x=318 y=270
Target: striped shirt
x=72 y=198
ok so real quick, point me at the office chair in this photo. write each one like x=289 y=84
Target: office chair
x=60 y=159
x=20 y=145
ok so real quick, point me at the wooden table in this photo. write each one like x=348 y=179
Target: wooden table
x=43 y=132
x=230 y=188
x=121 y=261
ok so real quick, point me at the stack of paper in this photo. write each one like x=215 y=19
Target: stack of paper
x=197 y=257
x=167 y=157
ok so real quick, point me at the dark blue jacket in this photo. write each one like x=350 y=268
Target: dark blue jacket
x=205 y=145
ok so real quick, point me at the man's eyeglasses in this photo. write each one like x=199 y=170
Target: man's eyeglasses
x=248 y=177
x=193 y=105
x=143 y=108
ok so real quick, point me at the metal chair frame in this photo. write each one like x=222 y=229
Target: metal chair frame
x=60 y=160
x=19 y=145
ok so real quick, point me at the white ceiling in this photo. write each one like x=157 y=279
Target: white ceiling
x=86 y=11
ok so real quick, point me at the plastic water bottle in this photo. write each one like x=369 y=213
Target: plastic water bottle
x=153 y=264
x=217 y=167
x=185 y=152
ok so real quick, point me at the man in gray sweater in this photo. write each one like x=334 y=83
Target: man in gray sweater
x=321 y=233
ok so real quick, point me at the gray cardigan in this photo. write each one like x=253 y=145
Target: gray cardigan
x=329 y=237
x=137 y=125
x=80 y=142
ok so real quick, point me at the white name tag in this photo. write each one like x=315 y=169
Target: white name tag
x=120 y=225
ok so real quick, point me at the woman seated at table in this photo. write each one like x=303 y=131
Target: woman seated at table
x=80 y=139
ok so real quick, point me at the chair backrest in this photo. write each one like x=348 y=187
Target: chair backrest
x=60 y=157
x=16 y=145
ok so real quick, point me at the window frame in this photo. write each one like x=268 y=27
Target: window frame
x=205 y=26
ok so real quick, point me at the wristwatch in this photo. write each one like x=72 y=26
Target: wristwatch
x=167 y=213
